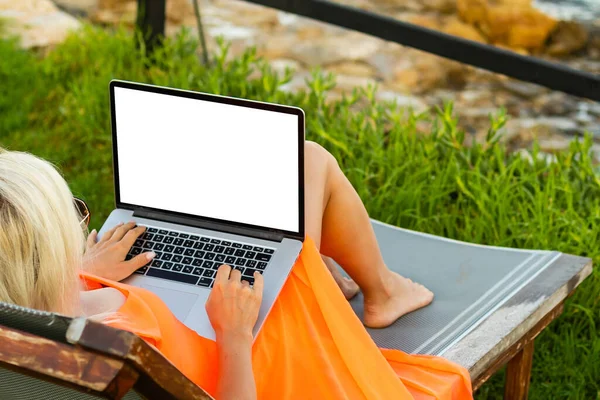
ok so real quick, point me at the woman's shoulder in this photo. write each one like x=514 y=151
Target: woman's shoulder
x=101 y=301
x=146 y=315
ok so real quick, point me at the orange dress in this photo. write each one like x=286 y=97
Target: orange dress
x=312 y=345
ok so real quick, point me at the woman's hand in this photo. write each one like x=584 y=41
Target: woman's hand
x=106 y=258
x=233 y=305
x=232 y=308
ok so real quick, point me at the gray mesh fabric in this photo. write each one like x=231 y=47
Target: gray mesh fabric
x=469 y=281
x=40 y=323
x=14 y=386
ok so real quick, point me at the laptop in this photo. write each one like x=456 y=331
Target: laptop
x=216 y=180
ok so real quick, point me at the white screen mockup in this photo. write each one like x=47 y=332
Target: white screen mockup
x=208 y=159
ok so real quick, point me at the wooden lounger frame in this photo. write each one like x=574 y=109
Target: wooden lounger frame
x=100 y=360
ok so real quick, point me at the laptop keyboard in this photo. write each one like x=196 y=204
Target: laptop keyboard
x=194 y=259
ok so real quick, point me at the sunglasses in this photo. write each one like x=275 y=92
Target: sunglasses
x=83 y=211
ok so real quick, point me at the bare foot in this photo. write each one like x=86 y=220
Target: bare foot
x=348 y=286
x=403 y=296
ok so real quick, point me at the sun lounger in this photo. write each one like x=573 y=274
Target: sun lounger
x=490 y=305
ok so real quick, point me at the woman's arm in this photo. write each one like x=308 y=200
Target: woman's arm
x=236 y=379
x=232 y=308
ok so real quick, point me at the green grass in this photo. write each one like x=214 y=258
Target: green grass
x=57 y=108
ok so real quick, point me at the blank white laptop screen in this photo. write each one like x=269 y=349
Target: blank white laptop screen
x=208 y=159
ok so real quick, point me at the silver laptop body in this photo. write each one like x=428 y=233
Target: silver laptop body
x=207 y=171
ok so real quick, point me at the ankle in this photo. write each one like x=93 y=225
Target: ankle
x=381 y=290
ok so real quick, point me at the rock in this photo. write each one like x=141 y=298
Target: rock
x=125 y=11
x=555 y=103
x=519 y=50
x=288 y=19
x=362 y=4
x=178 y=10
x=353 y=68
x=115 y=12
x=593 y=130
x=232 y=32
x=409 y=5
x=402 y=101
x=594 y=42
x=526 y=129
x=583 y=115
x=78 y=7
x=384 y=65
x=294 y=23
x=311 y=32
x=478 y=113
x=523 y=89
x=557 y=123
x=472 y=96
x=256 y=17
x=346 y=83
x=518 y=27
x=38 y=23
x=440 y=6
x=473 y=12
x=568 y=37
x=409 y=79
x=281 y=64
x=277 y=47
x=554 y=143
x=514 y=23
x=458 y=28
x=426 y=72
x=439 y=97
x=586 y=65
x=334 y=49
x=430 y=21
x=594 y=108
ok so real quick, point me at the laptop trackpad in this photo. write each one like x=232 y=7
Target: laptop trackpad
x=180 y=303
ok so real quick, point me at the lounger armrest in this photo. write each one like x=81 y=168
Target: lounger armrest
x=158 y=377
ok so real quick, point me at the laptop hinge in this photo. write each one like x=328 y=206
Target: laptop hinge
x=215 y=226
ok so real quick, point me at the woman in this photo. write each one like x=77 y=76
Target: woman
x=311 y=346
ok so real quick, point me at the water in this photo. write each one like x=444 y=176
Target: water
x=578 y=10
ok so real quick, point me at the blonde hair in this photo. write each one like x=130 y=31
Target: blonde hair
x=41 y=240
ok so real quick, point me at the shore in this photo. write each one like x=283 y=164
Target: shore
x=409 y=77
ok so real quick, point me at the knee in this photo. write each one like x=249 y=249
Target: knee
x=316 y=156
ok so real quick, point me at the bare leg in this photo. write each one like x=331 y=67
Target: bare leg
x=339 y=224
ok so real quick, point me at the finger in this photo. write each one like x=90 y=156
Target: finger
x=91 y=239
x=132 y=235
x=245 y=283
x=235 y=276
x=223 y=274
x=139 y=261
x=259 y=283
x=121 y=231
x=108 y=234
